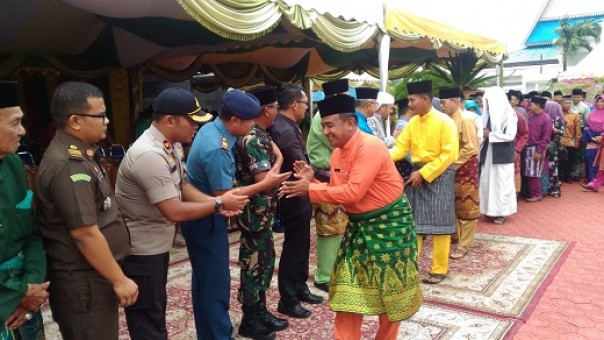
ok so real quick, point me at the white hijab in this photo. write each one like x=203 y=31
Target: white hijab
x=498 y=109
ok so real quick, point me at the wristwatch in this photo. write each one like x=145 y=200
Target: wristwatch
x=219 y=207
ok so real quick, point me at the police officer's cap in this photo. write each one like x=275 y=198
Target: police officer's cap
x=8 y=94
x=265 y=94
x=336 y=105
x=177 y=101
x=241 y=104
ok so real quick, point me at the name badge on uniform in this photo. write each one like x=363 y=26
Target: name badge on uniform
x=107 y=204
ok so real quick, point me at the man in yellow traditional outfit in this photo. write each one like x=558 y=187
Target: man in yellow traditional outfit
x=467 y=207
x=376 y=268
x=432 y=139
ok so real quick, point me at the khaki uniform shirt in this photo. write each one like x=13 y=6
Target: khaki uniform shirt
x=73 y=191
x=151 y=172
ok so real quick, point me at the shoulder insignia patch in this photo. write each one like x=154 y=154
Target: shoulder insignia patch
x=80 y=177
x=224 y=144
x=75 y=154
x=73 y=147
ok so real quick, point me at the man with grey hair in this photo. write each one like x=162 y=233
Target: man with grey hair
x=385 y=102
x=365 y=106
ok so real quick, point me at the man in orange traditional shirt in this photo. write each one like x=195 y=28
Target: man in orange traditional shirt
x=376 y=269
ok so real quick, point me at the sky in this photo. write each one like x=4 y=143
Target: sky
x=508 y=21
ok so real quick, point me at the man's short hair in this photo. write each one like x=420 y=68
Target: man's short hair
x=347 y=115
x=362 y=102
x=71 y=98
x=288 y=94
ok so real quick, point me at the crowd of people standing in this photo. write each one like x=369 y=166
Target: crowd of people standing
x=375 y=195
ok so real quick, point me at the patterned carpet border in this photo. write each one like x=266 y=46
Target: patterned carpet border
x=500 y=275
x=438 y=318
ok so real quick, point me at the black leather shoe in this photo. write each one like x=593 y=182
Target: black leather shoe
x=323 y=286
x=295 y=311
x=309 y=297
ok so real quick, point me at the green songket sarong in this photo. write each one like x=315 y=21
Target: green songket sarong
x=376 y=270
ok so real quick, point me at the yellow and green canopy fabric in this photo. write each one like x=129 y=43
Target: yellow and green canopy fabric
x=241 y=41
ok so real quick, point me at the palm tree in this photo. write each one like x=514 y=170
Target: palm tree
x=461 y=70
x=573 y=37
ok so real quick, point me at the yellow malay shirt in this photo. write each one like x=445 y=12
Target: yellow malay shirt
x=468 y=141
x=433 y=141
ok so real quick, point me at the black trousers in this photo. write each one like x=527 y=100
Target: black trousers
x=147 y=317
x=295 y=214
x=566 y=166
x=84 y=305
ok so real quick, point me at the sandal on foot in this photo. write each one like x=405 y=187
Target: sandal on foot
x=458 y=254
x=434 y=278
x=499 y=220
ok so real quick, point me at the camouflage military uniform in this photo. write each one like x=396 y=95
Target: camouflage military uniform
x=254 y=154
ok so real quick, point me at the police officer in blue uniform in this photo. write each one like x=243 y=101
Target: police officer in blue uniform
x=211 y=169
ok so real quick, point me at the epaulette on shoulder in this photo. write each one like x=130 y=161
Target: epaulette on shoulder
x=75 y=153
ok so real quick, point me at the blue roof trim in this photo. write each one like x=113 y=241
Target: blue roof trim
x=540 y=55
x=544 y=31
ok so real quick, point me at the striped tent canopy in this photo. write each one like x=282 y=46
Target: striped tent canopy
x=241 y=42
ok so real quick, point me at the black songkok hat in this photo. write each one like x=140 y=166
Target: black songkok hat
x=403 y=102
x=532 y=94
x=336 y=104
x=452 y=92
x=335 y=86
x=366 y=93
x=546 y=94
x=557 y=93
x=478 y=94
x=265 y=94
x=9 y=96
x=420 y=87
x=539 y=101
x=567 y=97
x=577 y=92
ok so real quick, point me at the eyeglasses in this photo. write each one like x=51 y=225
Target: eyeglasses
x=102 y=115
x=273 y=106
x=302 y=101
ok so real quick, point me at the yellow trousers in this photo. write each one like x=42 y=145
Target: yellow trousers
x=348 y=327
x=440 y=253
x=464 y=232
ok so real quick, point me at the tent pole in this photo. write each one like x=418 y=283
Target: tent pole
x=307 y=85
x=384 y=57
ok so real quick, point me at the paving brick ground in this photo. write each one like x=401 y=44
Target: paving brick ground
x=572 y=307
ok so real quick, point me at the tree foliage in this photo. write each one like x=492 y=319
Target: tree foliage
x=573 y=37
x=400 y=88
x=462 y=70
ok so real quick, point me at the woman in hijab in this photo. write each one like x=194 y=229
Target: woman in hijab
x=555 y=111
x=497 y=189
x=594 y=127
